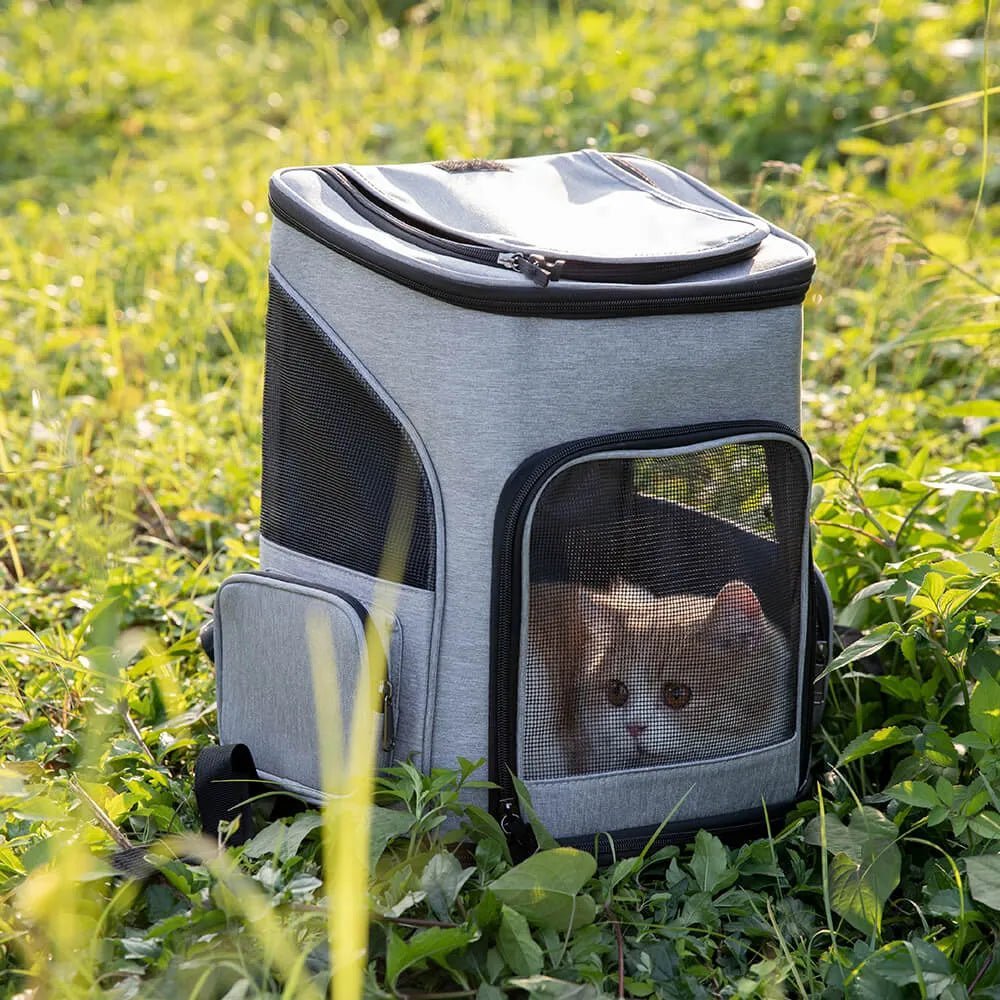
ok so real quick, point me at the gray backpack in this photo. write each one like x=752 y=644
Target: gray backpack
x=532 y=426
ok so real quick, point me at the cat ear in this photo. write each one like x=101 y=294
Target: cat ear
x=593 y=606
x=736 y=612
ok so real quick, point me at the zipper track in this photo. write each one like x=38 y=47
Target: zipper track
x=507 y=568
x=527 y=302
x=433 y=238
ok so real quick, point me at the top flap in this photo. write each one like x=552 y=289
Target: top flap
x=584 y=206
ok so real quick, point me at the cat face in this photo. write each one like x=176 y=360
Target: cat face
x=653 y=680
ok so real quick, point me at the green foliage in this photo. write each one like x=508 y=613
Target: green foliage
x=137 y=140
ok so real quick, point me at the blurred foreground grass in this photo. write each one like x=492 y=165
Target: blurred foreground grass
x=136 y=140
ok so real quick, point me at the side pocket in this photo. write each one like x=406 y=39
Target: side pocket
x=268 y=686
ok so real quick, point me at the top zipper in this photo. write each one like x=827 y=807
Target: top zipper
x=537 y=268
x=508 y=302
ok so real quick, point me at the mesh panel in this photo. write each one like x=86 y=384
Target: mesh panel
x=341 y=480
x=663 y=609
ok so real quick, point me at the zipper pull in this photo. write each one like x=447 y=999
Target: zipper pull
x=520 y=836
x=388 y=723
x=534 y=266
x=510 y=822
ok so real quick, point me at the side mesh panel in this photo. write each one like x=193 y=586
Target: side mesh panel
x=663 y=600
x=341 y=479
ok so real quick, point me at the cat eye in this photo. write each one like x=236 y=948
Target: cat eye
x=617 y=693
x=676 y=695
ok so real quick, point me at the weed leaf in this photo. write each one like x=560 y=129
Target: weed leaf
x=516 y=946
x=984 y=879
x=442 y=880
x=432 y=943
x=544 y=888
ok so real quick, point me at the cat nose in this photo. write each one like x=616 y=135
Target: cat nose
x=636 y=729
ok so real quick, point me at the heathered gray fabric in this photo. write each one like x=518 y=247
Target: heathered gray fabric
x=802 y=682
x=265 y=687
x=587 y=803
x=578 y=205
x=413 y=610
x=486 y=391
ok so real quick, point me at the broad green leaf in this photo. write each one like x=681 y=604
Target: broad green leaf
x=899 y=964
x=984 y=708
x=875 y=740
x=986 y=824
x=984 y=879
x=838 y=838
x=852 y=895
x=864 y=884
x=386 y=825
x=914 y=793
x=866 y=645
x=432 y=943
x=873 y=590
x=544 y=888
x=283 y=840
x=964 y=482
x=546 y=988
x=442 y=880
x=487 y=991
x=516 y=946
x=710 y=863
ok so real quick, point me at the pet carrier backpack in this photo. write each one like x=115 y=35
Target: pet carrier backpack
x=532 y=425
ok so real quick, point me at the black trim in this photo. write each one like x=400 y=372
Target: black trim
x=505 y=612
x=786 y=286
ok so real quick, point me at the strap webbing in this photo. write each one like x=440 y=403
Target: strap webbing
x=225 y=779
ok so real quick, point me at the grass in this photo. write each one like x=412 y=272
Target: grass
x=136 y=139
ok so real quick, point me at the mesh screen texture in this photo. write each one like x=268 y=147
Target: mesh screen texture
x=341 y=479
x=663 y=607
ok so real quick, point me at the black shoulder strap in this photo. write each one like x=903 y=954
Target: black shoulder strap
x=225 y=780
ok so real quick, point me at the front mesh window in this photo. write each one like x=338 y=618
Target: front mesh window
x=663 y=605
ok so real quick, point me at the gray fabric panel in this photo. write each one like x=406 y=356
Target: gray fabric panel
x=427 y=687
x=412 y=608
x=486 y=391
x=591 y=803
x=265 y=689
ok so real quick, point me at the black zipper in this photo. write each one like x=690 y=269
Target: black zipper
x=533 y=300
x=534 y=266
x=386 y=693
x=515 y=500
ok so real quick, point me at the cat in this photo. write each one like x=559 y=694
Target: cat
x=627 y=679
